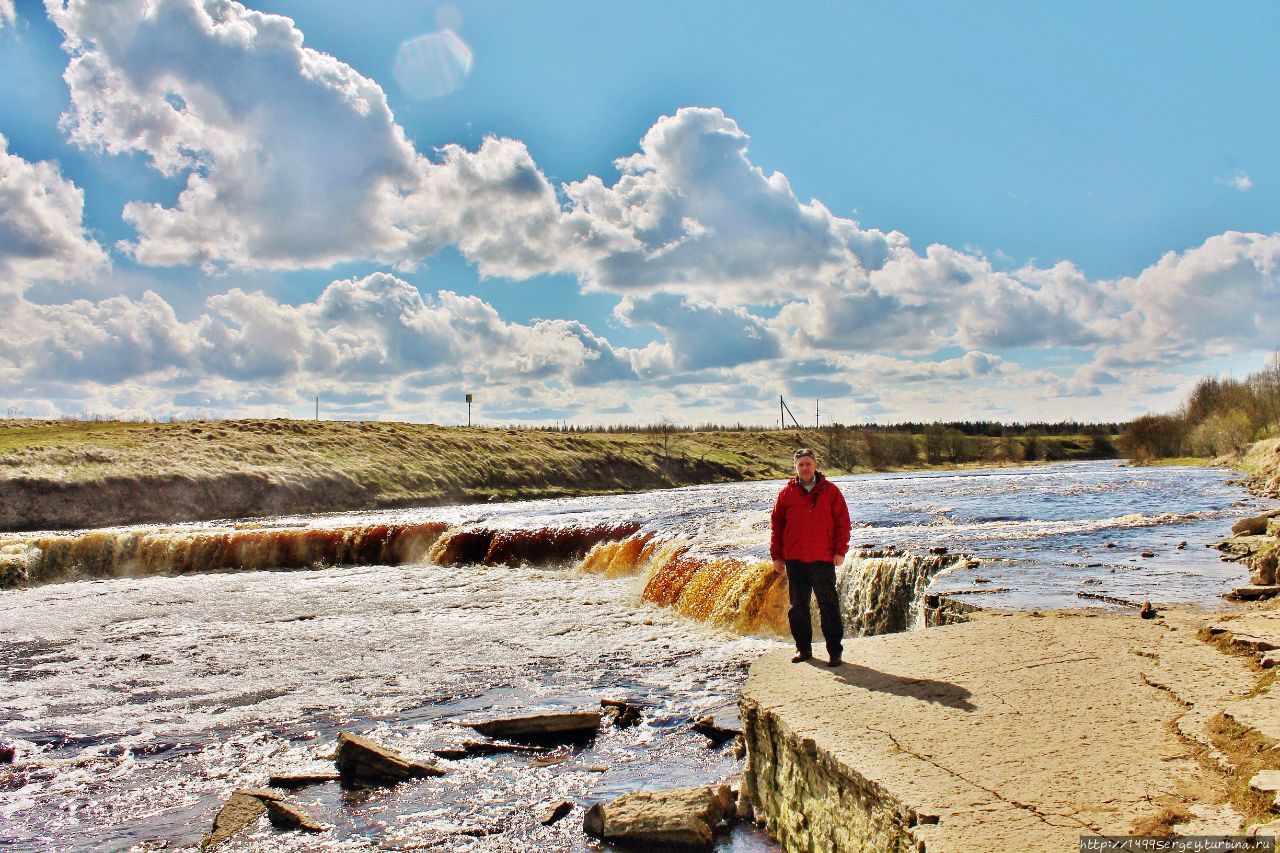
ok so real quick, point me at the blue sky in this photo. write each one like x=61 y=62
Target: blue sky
x=998 y=211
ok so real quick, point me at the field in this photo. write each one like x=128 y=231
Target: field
x=64 y=474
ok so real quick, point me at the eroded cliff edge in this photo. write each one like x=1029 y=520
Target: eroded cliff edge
x=1012 y=731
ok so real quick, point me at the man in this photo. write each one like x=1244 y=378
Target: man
x=810 y=538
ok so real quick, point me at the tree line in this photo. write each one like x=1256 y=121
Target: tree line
x=1221 y=416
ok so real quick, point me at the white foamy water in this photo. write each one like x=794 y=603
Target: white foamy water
x=145 y=701
x=152 y=699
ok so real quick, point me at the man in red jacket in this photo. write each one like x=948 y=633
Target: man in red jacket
x=810 y=538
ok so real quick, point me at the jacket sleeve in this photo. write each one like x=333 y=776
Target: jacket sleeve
x=777 y=521
x=840 y=518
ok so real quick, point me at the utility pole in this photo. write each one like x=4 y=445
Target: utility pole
x=468 y=410
x=782 y=418
x=815 y=412
x=317 y=407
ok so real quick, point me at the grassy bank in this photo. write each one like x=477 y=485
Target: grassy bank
x=62 y=474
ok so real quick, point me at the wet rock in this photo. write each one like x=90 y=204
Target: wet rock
x=474 y=748
x=555 y=812
x=1148 y=554
x=302 y=780
x=1254 y=525
x=1182 y=546
x=563 y=726
x=243 y=807
x=286 y=815
x=361 y=762
x=1259 y=592
x=682 y=818
x=622 y=714
x=1268 y=660
x=938 y=550
x=1147 y=611
x=1111 y=545
x=980 y=579
x=1091 y=581
x=8 y=752
x=718 y=729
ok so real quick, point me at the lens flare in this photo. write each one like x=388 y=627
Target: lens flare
x=433 y=65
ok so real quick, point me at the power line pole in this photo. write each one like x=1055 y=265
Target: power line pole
x=317 y=407
x=468 y=410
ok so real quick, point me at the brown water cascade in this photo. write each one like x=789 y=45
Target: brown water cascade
x=881 y=590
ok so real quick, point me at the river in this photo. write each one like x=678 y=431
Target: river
x=138 y=700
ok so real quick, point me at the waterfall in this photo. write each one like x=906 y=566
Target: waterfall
x=133 y=553
x=882 y=591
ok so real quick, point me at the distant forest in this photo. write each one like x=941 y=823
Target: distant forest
x=1222 y=416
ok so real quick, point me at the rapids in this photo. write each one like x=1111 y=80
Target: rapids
x=149 y=671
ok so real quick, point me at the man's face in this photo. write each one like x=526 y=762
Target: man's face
x=806 y=468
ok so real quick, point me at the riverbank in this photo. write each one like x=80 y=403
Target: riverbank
x=1028 y=730
x=1018 y=731
x=81 y=474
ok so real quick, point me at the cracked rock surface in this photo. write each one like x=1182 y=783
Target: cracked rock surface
x=1009 y=732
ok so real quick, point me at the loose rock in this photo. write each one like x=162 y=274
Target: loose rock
x=541 y=726
x=302 y=780
x=1147 y=611
x=1254 y=593
x=243 y=807
x=555 y=812
x=717 y=730
x=362 y=762
x=285 y=815
x=623 y=714
x=7 y=753
x=673 y=819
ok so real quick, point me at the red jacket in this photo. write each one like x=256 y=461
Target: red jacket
x=809 y=526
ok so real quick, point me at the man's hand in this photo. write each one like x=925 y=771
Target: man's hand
x=780 y=567
x=839 y=561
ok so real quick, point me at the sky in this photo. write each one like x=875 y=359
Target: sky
x=599 y=213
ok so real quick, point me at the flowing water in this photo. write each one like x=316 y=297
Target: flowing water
x=148 y=672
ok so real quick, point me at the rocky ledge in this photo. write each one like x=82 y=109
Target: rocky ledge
x=1009 y=732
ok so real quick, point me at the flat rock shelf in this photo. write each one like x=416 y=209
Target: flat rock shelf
x=1009 y=732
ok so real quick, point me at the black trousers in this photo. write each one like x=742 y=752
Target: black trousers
x=820 y=580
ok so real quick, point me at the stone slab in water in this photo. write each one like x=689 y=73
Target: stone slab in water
x=286 y=815
x=567 y=725
x=363 y=762
x=243 y=808
x=1009 y=732
x=302 y=780
x=1254 y=592
x=684 y=818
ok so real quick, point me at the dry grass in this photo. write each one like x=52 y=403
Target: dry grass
x=1248 y=751
x=1161 y=824
x=338 y=465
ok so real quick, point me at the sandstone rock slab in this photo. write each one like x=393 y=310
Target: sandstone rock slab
x=287 y=815
x=569 y=725
x=1010 y=731
x=361 y=762
x=684 y=818
x=243 y=808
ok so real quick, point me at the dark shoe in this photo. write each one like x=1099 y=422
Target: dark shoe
x=801 y=657
x=835 y=661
